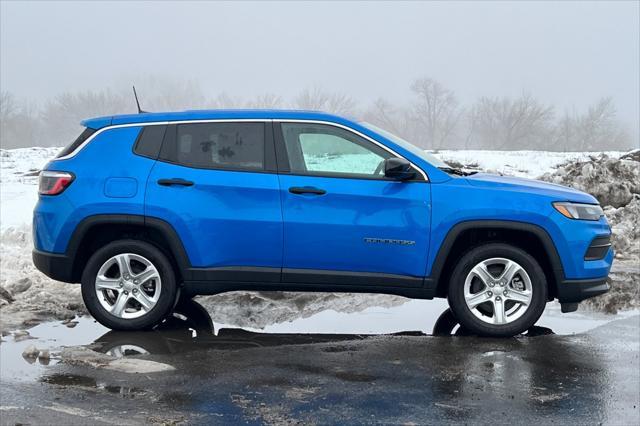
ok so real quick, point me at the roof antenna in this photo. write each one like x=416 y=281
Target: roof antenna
x=137 y=102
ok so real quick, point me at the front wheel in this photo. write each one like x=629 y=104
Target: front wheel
x=129 y=285
x=497 y=290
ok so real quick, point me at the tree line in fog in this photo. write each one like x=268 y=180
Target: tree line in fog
x=433 y=118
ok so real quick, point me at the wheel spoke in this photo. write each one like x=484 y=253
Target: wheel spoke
x=510 y=270
x=481 y=271
x=519 y=296
x=144 y=300
x=124 y=264
x=120 y=305
x=146 y=275
x=104 y=283
x=474 y=300
x=498 y=312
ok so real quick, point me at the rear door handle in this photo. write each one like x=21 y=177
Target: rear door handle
x=174 y=181
x=306 y=190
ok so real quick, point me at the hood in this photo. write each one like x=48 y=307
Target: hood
x=508 y=183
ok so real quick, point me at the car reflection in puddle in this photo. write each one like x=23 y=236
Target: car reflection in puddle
x=533 y=375
x=191 y=328
x=575 y=378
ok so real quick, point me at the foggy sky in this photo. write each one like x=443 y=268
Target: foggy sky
x=567 y=54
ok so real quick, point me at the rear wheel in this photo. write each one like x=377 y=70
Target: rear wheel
x=129 y=285
x=497 y=290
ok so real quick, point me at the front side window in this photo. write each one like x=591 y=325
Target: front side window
x=237 y=146
x=320 y=149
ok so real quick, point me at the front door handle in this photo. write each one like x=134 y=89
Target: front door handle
x=174 y=181
x=306 y=190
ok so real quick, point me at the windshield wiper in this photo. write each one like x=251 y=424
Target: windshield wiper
x=456 y=171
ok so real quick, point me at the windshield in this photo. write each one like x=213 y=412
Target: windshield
x=430 y=158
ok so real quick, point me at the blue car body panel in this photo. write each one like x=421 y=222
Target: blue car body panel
x=346 y=228
x=103 y=168
x=227 y=218
x=231 y=218
x=469 y=199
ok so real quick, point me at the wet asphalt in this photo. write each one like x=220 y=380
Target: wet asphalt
x=237 y=376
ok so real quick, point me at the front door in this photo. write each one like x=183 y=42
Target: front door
x=342 y=215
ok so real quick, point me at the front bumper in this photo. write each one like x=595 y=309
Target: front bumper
x=54 y=265
x=572 y=292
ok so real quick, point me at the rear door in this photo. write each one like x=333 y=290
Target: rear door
x=344 y=222
x=216 y=184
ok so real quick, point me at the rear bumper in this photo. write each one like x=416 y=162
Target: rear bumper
x=54 y=265
x=574 y=291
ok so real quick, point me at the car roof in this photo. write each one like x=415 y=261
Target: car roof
x=212 y=114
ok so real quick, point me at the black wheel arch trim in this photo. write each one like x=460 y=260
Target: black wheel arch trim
x=176 y=247
x=453 y=234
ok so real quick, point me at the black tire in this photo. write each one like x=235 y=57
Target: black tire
x=165 y=302
x=465 y=315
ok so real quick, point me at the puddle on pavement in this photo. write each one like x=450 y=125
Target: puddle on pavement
x=192 y=328
x=90 y=383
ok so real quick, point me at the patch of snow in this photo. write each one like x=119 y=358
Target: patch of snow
x=527 y=164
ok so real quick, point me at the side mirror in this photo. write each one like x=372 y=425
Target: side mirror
x=398 y=169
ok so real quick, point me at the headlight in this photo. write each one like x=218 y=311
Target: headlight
x=579 y=211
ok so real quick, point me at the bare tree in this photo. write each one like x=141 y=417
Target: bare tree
x=521 y=123
x=565 y=132
x=63 y=114
x=267 y=100
x=339 y=103
x=8 y=111
x=386 y=116
x=598 y=128
x=436 y=110
x=433 y=120
x=316 y=99
x=171 y=95
x=224 y=101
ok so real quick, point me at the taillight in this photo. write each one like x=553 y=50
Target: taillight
x=53 y=183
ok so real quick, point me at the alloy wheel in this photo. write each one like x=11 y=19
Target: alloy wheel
x=128 y=285
x=498 y=291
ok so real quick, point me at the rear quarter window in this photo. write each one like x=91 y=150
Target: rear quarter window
x=150 y=141
x=86 y=134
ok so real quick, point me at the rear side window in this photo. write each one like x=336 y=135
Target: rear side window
x=235 y=146
x=150 y=141
x=86 y=133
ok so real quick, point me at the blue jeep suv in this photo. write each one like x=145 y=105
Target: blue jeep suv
x=146 y=209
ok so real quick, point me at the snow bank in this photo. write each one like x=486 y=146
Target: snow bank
x=19 y=170
x=615 y=182
x=527 y=164
x=30 y=296
x=261 y=309
x=612 y=180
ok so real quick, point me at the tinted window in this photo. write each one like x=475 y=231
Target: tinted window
x=150 y=141
x=86 y=133
x=218 y=145
x=323 y=149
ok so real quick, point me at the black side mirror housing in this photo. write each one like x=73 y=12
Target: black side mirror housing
x=398 y=169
